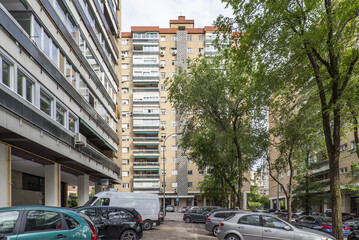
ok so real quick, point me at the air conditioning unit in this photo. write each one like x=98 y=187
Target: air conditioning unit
x=162 y=53
x=80 y=139
x=162 y=65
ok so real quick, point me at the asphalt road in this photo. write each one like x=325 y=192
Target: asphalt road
x=174 y=228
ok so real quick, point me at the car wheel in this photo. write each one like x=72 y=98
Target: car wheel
x=187 y=220
x=232 y=237
x=147 y=225
x=215 y=231
x=129 y=235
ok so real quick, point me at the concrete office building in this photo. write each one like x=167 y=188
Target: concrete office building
x=58 y=99
x=149 y=56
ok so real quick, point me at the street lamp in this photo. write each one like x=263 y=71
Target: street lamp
x=164 y=172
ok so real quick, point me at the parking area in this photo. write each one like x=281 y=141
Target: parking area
x=175 y=228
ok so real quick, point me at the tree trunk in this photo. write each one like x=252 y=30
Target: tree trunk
x=356 y=136
x=289 y=206
x=240 y=199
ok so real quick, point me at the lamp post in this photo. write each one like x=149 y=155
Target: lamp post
x=164 y=172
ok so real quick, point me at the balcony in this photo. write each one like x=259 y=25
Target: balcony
x=144 y=102
x=146 y=164
x=148 y=176
x=146 y=141
x=146 y=153
x=146 y=115
x=147 y=89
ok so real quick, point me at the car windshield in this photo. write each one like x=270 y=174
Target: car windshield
x=90 y=201
x=325 y=220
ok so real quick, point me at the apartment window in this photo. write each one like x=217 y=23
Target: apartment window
x=343 y=147
x=174 y=148
x=125 y=161
x=353 y=145
x=163 y=38
x=25 y=87
x=189 y=50
x=174 y=136
x=343 y=170
x=280 y=175
x=72 y=123
x=125 y=174
x=125 y=90
x=200 y=172
x=125 y=66
x=189 y=172
x=45 y=103
x=163 y=99
x=125 y=150
x=125 y=138
x=163 y=87
x=174 y=62
x=190 y=184
x=173 y=74
x=163 y=111
x=60 y=114
x=189 y=38
x=37 y=32
x=174 y=124
x=200 y=50
x=174 y=38
x=6 y=72
x=174 y=160
x=124 y=41
x=288 y=172
x=189 y=160
x=174 y=172
x=200 y=38
x=125 y=114
x=125 y=126
x=125 y=78
x=174 y=184
x=163 y=184
x=125 y=185
x=163 y=148
x=174 y=111
x=281 y=189
x=124 y=54
x=163 y=124
x=163 y=74
x=125 y=102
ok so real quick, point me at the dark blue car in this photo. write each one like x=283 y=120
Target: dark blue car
x=320 y=223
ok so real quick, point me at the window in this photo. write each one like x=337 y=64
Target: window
x=125 y=185
x=249 y=220
x=174 y=124
x=125 y=126
x=163 y=87
x=125 y=138
x=189 y=161
x=280 y=175
x=72 y=123
x=163 y=124
x=189 y=38
x=125 y=102
x=343 y=147
x=45 y=103
x=46 y=44
x=125 y=90
x=163 y=173
x=189 y=172
x=163 y=136
x=174 y=111
x=60 y=114
x=200 y=38
x=125 y=66
x=37 y=32
x=163 y=99
x=174 y=184
x=125 y=114
x=174 y=172
x=163 y=111
x=200 y=50
x=174 y=160
x=163 y=74
x=8 y=220
x=288 y=172
x=343 y=170
x=190 y=184
x=163 y=148
x=6 y=73
x=273 y=222
x=125 y=161
x=125 y=174
x=124 y=41
x=189 y=50
x=125 y=78
x=37 y=220
x=125 y=150
x=163 y=38
x=174 y=38
x=353 y=145
x=200 y=172
x=174 y=148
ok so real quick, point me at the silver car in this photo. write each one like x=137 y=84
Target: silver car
x=254 y=226
x=216 y=217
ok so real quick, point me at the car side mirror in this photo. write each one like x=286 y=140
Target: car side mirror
x=287 y=228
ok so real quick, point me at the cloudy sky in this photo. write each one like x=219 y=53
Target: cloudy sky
x=159 y=12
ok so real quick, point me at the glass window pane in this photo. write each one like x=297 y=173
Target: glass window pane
x=55 y=54
x=273 y=222
x=250 y=220
x=20 y=87
x=45 y=103
x=36 y=35
x=60 y=114
x=46 y=46
x=72 y=123
x=6 y=73
x=43 y=220
x=29 y=91
x=8 y=221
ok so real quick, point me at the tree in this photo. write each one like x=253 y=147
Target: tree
x=217 y=99
x=313 y=45
x=254 y=198
x=215 y=189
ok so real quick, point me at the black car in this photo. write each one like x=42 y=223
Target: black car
x=195 y=215
x=353 y=235
x=114 y=222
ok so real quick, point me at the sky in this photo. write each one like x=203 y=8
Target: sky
x=159 y=12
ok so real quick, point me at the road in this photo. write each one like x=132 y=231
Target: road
x=175 y=228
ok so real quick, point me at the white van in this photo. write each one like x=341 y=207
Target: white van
x=146 y=204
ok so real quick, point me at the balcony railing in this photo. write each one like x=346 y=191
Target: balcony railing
x=146 y=127
x=146 y=164
x=153 y=176
x=149 y=89
x=146 y=151
x=146 y=114
x=141 y=102
x=146 y=139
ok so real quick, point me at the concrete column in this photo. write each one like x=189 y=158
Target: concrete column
x=83 y=184
x=52 y=185
x=98 y=188
x=5 y=176
x=244 y=200
x=271 y=204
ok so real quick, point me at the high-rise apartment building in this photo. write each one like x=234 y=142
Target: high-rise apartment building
x=58 y=99
x=150 y=126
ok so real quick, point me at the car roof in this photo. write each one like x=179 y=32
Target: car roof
x=36 y=207
x=84 y=207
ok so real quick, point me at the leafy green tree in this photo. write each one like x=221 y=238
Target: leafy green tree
x=215 y=189
x=254 y=198
x=311 y=45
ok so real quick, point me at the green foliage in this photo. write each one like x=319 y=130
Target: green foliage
x=214 y=189
x=254 y=198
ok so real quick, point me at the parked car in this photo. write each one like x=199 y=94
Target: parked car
x=195 y=215
x=183 y=209
x=213 y=219
x=353 y=235
x=353 y=223
x=320 y=223
x=245 y=226
x=45 y=223
x=146 y=204
x=170 y=208
x=210 y=208
x=223 y=209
